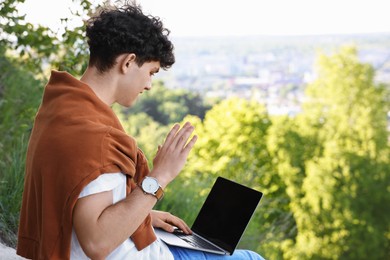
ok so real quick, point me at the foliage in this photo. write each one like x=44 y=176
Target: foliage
x=33 y=44
x=167 y=106
x=73 y=51
x=38 y=45
x=338 y=198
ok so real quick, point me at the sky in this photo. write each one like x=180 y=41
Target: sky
x=243 y=17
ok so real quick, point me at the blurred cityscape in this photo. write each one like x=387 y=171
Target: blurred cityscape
x=273 y=70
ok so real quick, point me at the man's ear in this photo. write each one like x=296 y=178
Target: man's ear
x=127 y=61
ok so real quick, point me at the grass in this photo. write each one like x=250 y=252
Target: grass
x=11 y=189
x=20 y=95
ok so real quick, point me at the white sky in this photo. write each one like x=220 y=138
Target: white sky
x=244 y=17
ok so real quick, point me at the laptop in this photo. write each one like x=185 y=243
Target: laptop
x=221 y=221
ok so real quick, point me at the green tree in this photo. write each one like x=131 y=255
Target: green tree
x=38 y=45
x=232 y=141
x=338 y=198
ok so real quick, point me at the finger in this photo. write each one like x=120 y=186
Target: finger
x=185 y=228
x=184 y=137
x=171 y=135
x=190 y=144
x=167 y=227
x=180 y=136
x=179 y=223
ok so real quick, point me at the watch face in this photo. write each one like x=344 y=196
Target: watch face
x=150 y=185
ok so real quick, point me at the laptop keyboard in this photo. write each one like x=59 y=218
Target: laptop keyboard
x=196 y=241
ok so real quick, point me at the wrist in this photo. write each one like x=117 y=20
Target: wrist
x=161 y=179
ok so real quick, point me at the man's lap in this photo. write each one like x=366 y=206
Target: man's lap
x=183 y=253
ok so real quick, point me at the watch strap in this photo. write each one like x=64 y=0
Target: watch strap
x=159 y=193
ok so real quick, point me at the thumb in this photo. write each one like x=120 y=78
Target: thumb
x=158 y=149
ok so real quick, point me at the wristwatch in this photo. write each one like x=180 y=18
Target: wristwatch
x=151 y=186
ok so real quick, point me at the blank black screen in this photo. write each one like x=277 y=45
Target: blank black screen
x=226 y=213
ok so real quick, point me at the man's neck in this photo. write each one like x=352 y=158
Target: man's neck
x=102 y=84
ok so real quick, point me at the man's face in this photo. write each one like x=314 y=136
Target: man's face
x=136 y=80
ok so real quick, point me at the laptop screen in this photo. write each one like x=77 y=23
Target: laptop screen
x=226 y=212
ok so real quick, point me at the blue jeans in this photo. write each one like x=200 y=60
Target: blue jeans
x=183 y=253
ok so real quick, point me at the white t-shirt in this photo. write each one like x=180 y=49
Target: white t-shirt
x=116 y=182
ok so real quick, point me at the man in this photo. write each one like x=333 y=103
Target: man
x=88 y=191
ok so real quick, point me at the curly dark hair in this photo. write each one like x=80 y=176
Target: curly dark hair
x=118 y=30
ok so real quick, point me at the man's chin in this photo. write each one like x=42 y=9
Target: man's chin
x=126 y=104
x=130 y=103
